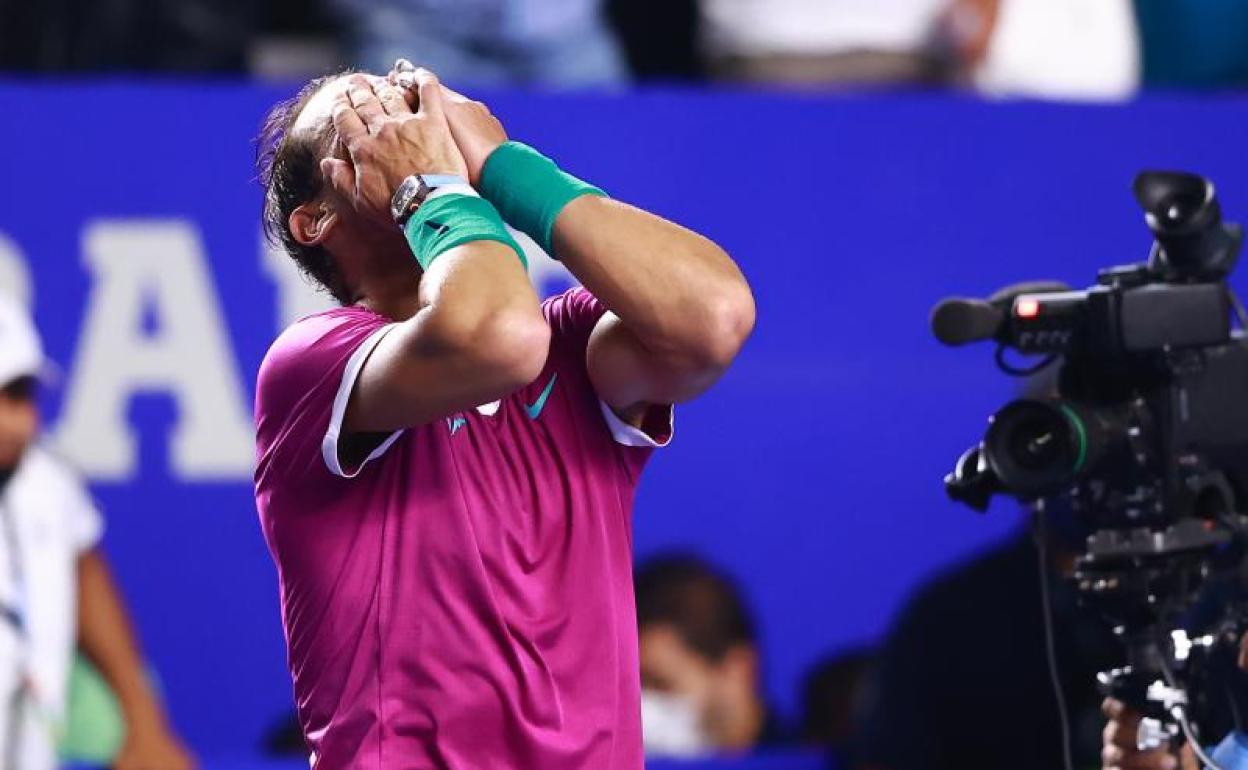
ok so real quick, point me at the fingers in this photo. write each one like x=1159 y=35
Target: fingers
x=1120 y=748
x=392 y=99
x=347 y=122
x=403 y=75
x=451 y=95
x=365 y=102
x=339 y=174
x=1116 y=759
x=1112 y=709
x=1123 y=731
x=430 y=93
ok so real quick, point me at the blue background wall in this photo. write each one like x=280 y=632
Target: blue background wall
x=813 y=472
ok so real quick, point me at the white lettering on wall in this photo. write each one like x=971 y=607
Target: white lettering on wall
x=154 y=269
x=14 y=277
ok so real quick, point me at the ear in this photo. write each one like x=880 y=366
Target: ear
x=741 y=664
x=312 y=222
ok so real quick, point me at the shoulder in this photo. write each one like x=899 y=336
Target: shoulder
x=43 y=468
x=972 y=590
x=321 y=329
x=312 y=346
x=47 y=483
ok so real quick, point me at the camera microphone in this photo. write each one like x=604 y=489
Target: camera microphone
x=959 y=321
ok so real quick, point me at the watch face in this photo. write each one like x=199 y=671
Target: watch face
x=404 y=198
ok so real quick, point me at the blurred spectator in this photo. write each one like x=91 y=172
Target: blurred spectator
x=1199 y=43
x=699 y=663
x=488 y=42
x=660 y=37
x=129 y=35
x=1056 y=49
x=55 y=587
x=854 y=42
x=832 y=691
x=963 y=680
x=297 y=40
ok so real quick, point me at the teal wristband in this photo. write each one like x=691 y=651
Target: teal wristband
x=530 y=190
x=443 y=223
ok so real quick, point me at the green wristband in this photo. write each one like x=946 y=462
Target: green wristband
x=530 y=190
x=452 y=220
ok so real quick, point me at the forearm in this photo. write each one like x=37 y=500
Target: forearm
x=478 y=318
x=106 y=638
x=479 y=335
x=677 y=291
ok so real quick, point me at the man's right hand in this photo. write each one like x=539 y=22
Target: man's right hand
x=1119 y=748
x=387 y=142
x=477 y=132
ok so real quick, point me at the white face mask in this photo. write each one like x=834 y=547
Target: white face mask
x=671 y=726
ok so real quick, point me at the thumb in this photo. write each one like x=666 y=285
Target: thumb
x=339 y=175
x=430 y=91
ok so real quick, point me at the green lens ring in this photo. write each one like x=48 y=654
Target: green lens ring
x=1081 y=432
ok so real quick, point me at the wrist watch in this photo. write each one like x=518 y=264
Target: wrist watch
x=415 y=190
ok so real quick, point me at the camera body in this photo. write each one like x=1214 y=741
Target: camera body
x=1144 y=432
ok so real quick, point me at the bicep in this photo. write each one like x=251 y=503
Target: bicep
x=627 y=375
x=401 y=383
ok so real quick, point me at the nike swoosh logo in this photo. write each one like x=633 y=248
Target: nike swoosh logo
x=436 y=226
x=455 y=423
x=535 y=409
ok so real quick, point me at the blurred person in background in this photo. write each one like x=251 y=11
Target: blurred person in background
x=659 y=37
x=1052 y=49
x=1121 y=746
x=56 y=588
x=832 y=693
x=126 y=35
x=1195 y=44
x=700 y=668
x=565 y=44
x=963 y=680
x=822 y=42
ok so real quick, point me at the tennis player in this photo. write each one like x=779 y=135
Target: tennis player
x=446 y=465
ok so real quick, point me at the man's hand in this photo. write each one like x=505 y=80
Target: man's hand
x=1119 y=749
x=476 y=131
x=152 y=749
x=387 y=142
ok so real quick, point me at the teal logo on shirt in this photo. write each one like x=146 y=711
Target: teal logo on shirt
x=455 y=423
x=535 y=409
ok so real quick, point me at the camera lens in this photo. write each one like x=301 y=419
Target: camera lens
x=1035 y=446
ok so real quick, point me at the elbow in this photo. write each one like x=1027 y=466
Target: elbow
x=728 y=321
x=520 y=344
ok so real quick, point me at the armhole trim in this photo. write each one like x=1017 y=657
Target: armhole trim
x=329 y=444
x=631 y=435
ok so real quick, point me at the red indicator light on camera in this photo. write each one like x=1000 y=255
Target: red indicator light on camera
x=1027 y=308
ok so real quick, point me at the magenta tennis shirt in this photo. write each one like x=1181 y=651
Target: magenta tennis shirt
x=464 y=598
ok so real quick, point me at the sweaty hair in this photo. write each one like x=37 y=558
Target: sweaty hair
x=700 y=603
x=289 y=168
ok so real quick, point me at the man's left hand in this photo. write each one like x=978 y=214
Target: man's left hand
x=475 y=129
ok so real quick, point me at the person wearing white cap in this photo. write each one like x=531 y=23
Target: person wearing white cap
x=56 y=591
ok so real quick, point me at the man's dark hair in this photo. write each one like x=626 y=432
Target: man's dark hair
x=702 y=604
x=289 y=168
